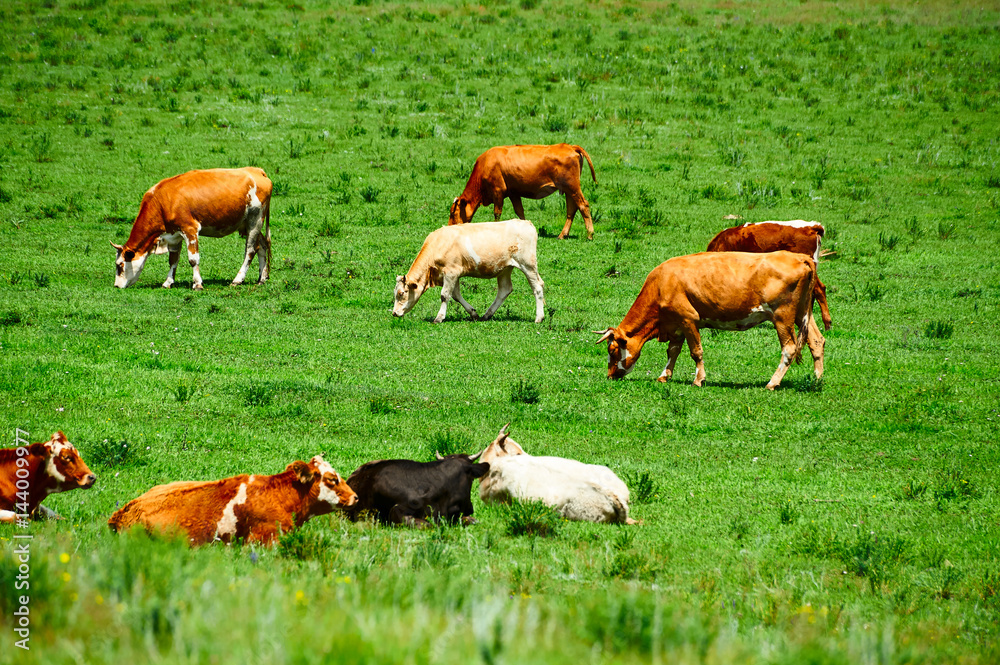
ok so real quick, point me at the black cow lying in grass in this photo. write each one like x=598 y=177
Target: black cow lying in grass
x=415 y=493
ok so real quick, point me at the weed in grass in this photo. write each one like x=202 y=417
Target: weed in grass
x=305 y=544
x=524 y=392
x=874 y=557
x=887 y=241
x=214 y=309
x=379 y=405
x=370 y=193
x=16 y=278
x=993 y=180
x=938 y=330
x=41 y=280
x=945 y=229
x=10 y=318
x=112 y=454
x=329 y=229
x=259 y=394
x=913 y=227
x=447 y=443
x=532 y=518
x=788 y=513
x=954 y=487
x=183 y=393
x=912 y=490
x=41 y=148
x=643 y=486
x=873 y=291
x=739 y=527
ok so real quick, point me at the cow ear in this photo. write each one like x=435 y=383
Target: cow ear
x=39 y=450
x=129 y=255
x=479 y=470
x=303 y=472
x=411 y=286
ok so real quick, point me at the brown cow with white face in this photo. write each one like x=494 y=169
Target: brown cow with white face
x=725 y=291
x=213 y=203
x=525 y=171
x=796 y=235
x=252 y=508
x=30 y=473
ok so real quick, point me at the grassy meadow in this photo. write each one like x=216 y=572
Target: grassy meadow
x=853 y=520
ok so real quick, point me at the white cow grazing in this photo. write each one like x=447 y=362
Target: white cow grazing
x=581 y=492
x=490 y=249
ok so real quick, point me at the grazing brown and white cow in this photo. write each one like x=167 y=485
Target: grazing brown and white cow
x=252 y=508
x=725 y=291
x=30 y=473
x=579 y=491
x=491 y=249
x=213 y=203
x=525 y=171
x=797 y=236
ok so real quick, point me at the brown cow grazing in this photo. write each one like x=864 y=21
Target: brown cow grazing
x=30 y=473
x=794 y=236
x=525 y=171
x=726 y=291
x=213 y=203
x=252 y=508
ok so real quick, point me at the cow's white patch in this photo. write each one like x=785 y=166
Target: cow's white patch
x=797 y=223
x=56 y=447
x=325 y=493
x=227 y=523
x=472 y=252
x=7 y=516
x=250 y=481
x=663 y=374
x=252 y=195
x=194 y=258
x=624 y=360
x=171 y=241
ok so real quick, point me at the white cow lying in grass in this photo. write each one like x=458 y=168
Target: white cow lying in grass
x=581 y=492
x=490 y=249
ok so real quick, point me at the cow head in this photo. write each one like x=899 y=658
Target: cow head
x=64 y=468
x=502 y=446
x=621 y=361
x=459 y=472
x=461 y=211
x=128 y=266
x=327 y=489
x=406 y=295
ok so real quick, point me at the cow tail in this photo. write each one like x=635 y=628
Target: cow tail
x=581 y=151
x=267 y=233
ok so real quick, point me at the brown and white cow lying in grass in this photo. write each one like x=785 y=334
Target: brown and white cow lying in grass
x=725 y=291
x=213 y=203
x=525 y=171
x=580 y=492
x=251 y=508
x=794 y=236
x=491 y=249
x=30 y=473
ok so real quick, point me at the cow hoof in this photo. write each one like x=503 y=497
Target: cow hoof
x=198 y=287
x=662 y=379
x=236 y=284
x=562 y=236
x=167 y=286
x=469 y=520
x=474 y=316
x=698 y=384
x=437 y=320
x=772 y=386
x=590 y=237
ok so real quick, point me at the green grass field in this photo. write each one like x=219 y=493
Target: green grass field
x=855 y=520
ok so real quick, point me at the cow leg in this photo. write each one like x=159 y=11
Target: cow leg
x=816 y=342
x=399 y=514
x=457 y=295
x=787 y=340
x=174 y=257
x=504 y=287
x=673 y=351
x=570 y=213
x=518 y=206
x=584 y=208
x=251 y=250
x=450 y=282
x=537 y=287
x=264 y=256
x=193 y=259
x=693 y=338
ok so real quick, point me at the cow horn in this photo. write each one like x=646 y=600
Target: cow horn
x=473 y=458
x=437 y=455
x=118 y=247
x=604 y=335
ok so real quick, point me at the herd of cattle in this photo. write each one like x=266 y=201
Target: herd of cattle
x=750 y=274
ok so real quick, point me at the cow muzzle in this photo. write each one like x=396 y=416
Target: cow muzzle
x=88 y=481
